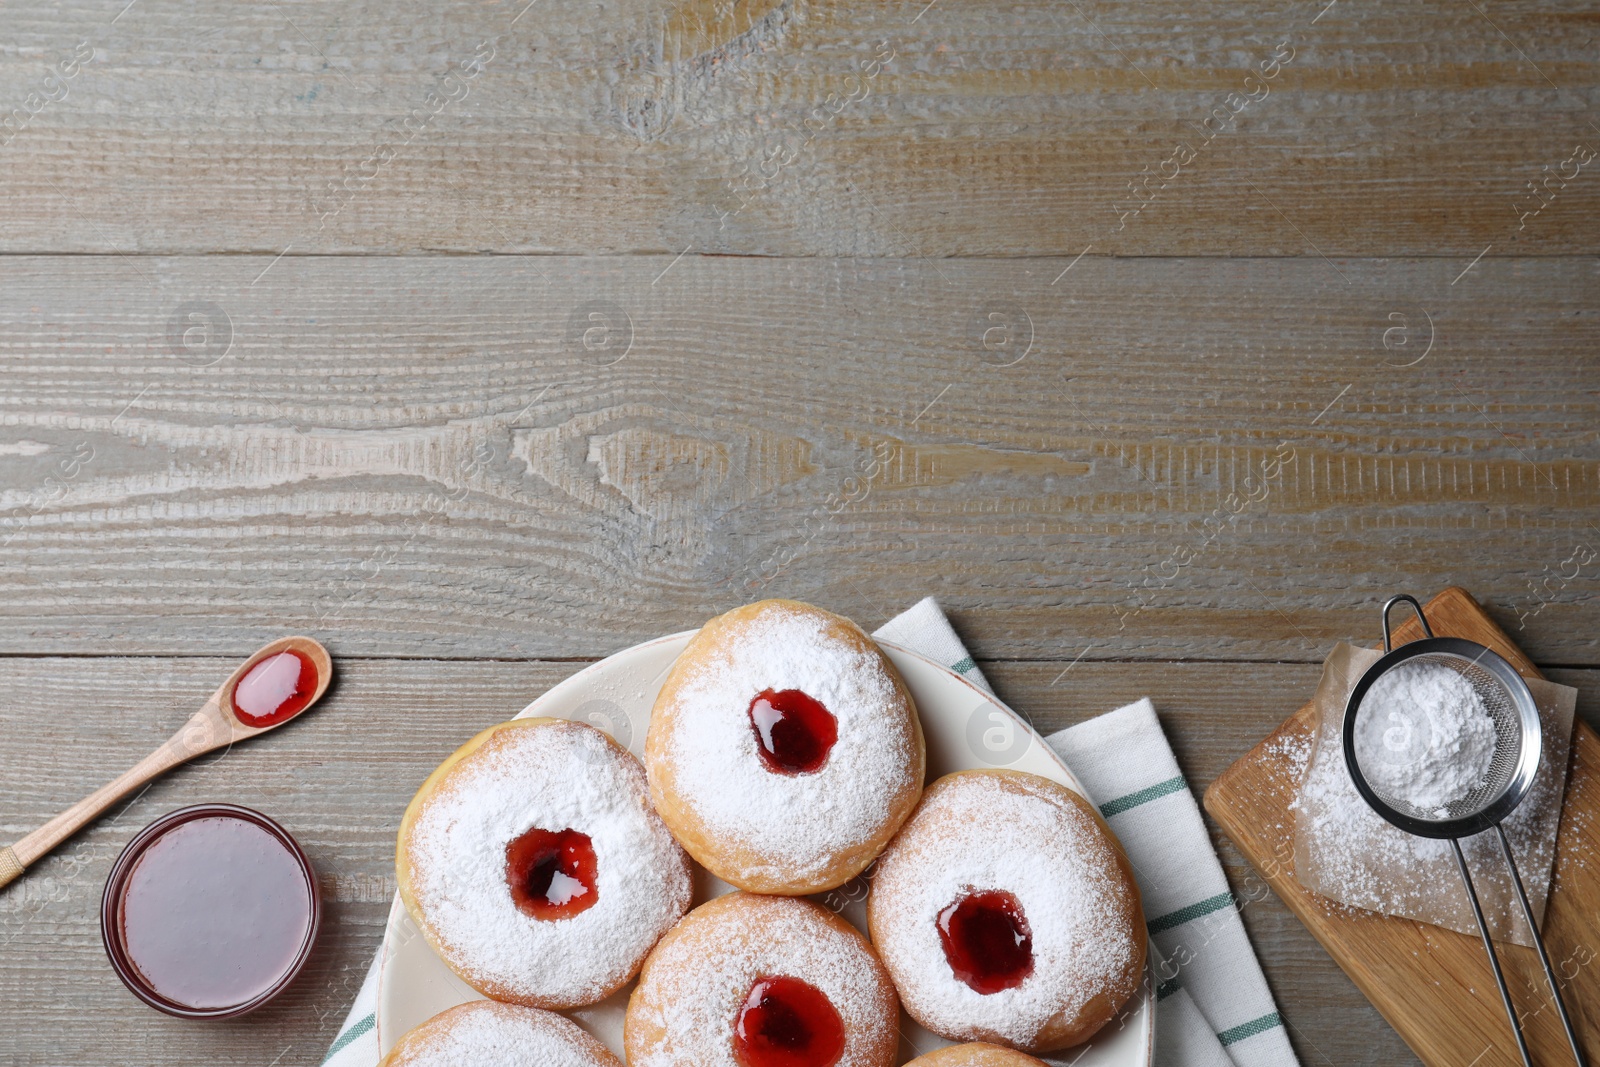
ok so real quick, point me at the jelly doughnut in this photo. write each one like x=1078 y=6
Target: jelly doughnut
x=487 y=1034
x=758 y=981
x=536 y=867
x=784 y=749
x=1006 y=912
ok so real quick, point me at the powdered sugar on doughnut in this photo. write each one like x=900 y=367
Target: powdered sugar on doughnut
x=978 y=832
x=486 y=1034
x=801 y=821
x=555 y=776
x=696 y=983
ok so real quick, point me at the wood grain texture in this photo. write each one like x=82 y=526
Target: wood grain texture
x=1433 y=985
x=216 y=725
x=1182 y=458
x=878 y=369
x=779 y=127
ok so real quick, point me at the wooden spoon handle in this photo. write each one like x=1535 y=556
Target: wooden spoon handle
x=205 y=731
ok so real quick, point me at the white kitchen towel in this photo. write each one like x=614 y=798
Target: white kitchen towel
x=1201 y=1009
x=1214 y=1008
x=1183 y=1037
x=1123 y=760
x=357 y=1043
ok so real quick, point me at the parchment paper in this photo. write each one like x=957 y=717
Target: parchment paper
x=1345 y=850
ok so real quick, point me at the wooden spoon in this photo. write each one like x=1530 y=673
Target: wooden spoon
x=212 y=727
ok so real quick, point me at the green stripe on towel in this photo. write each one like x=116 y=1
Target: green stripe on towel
x=359 y=1027
x=1167 y=988
x=963 y=665
x=1189 y=914
x=1143 y=796
x=1250 y=1029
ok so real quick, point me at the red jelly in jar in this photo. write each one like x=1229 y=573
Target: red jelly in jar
x=210 y=912
x=276 y=689
x=787 y=1023
x=794 y=732
x=552 y=873
x=987 y=941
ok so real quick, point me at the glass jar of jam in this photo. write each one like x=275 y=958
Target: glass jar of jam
x=210 y=912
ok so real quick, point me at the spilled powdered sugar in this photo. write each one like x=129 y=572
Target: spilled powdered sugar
x=556 y=776
x=1424 y=737
x=1345 y=834
x=486 y=1034
x=697 y=982
x=1348 y=855
x=801 y=821
x=976 y=834
x=1290 y=754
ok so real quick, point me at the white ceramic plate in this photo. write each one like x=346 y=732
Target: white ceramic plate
x=965 y=728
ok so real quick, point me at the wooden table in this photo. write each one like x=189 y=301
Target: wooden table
x=480 y=340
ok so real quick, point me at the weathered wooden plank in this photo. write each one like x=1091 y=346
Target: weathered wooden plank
x=1154 y=458
x=794 y=127
x=340 y=778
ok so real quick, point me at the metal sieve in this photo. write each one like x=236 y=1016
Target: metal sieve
x=1518 y=747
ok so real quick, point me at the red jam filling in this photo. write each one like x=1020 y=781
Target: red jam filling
x=275 y=690
x=787 y=1023
x=794 y=732
x=552 y=873
x=987 y=941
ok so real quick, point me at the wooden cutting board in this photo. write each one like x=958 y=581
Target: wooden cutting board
x=1434 y=986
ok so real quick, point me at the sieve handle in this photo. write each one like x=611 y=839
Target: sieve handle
x=1538 y=942
x=1483 y=928
x=1388 y=644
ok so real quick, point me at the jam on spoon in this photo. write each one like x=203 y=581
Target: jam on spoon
x=552 y=873
x=794 y=732
x=987 y=941
x=284 y=678
x=787 y=1023
x=276 y=689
